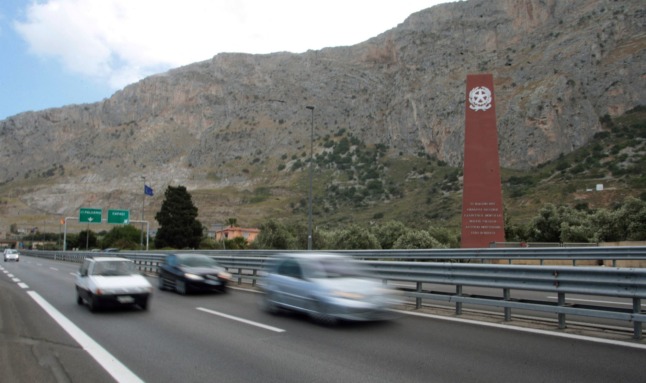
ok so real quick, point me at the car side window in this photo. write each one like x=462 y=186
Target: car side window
x=290 y=268
x=84 y=268
x=171 y=260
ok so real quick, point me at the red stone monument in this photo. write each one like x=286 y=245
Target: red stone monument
x=482 y=209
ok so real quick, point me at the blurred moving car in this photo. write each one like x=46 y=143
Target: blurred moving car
x=111 y=281
x=327 y=287
x=11 y=255
x=186 y=273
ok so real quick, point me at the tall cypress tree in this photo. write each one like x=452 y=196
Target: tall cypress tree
x=178 y=224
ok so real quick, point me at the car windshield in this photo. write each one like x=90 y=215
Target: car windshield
x=11 y=251
x=197 y=261
x=114 y=268
x=333 y=268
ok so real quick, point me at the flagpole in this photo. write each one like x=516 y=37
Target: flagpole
x=143 y=204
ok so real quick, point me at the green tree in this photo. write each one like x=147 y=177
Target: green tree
x=631 y=218
x=445 y=236
x=576 y=226
x=388 y=232
x=546 y=226
x=417 y=239
x=237 y=243
x=356 y=238
x=274 y=235
x=122 y=237
x=178 y=224
x=86 y=240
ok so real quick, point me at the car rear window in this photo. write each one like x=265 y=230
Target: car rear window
x=114 y=268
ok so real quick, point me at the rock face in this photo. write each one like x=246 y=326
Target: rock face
x=558 y=67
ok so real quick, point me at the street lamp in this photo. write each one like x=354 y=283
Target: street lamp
x=143 y=204
x=309 y=207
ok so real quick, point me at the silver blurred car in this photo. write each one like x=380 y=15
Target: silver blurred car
x=327 y=287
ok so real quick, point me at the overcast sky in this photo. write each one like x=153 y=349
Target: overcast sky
x=61 y=52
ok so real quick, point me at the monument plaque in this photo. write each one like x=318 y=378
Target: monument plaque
x=482 y=209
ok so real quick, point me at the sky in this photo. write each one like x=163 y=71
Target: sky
x=62 y=52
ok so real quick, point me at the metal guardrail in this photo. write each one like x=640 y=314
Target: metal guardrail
x=560 y=280
x=570 y=254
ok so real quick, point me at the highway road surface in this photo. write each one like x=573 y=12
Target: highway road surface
x=46 y=337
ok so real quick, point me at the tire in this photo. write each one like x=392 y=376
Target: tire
x=79 y=300
x=161 y=284
x=180 y=287
x=92 y=304
x=268 y=305
x=319 y=315
x=143 y=303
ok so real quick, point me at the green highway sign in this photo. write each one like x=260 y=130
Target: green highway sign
x=90 y=215
x=118 y=216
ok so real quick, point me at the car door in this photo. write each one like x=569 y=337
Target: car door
x=82 y=279
x=293 y=287
x=166 y=271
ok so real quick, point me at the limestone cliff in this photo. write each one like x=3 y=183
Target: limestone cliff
x=558 y=67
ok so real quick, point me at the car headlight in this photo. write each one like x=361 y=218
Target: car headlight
x=347 y=295
x=194 y=277
x=224 y=275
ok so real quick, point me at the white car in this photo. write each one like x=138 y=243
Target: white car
x=111 y=281
x=11 y=255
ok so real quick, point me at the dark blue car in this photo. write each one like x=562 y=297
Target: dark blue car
x=186 y=273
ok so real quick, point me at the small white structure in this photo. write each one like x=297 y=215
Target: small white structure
x=599 y=187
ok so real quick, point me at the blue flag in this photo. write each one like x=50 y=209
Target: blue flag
x=148 y=190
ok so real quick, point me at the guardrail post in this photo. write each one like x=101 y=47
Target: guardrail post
x=418 y=300
x=239 y=276
x=637 y=326
x=253 y=280
x=458 y=305
x=507 y=296
x=561 y=302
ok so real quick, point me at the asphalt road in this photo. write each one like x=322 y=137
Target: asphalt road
x=226 y=338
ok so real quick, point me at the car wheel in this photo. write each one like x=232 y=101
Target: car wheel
x=79 y=300
x=319 y=314
x=92 y=304
x=143 y=303
x=180 y=287
x=268 y=305
x=161 y=284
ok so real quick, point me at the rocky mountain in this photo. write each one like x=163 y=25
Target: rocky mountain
x=238 y=122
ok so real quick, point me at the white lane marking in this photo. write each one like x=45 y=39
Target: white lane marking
x=530 y=330
x=53 y=268
x=23 y=285
x=266 y=327
x=118 y=370
x=10 y=275
x=594 y=301
x=15 y=280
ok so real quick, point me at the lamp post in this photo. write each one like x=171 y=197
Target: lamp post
x=143 y=204
x=309 y=205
